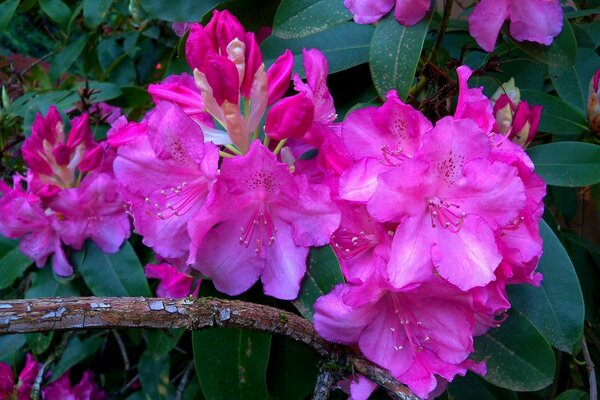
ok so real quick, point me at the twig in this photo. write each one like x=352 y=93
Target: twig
x=443 y=27
x=35 y=390
x=325 y=381
x=122 y=349
x=591 y=372
x=79 y=313
x=184 y=380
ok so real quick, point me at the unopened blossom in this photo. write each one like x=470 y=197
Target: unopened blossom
x=20 y=390
x=173 y=283
x=260 y=224
x=406 y=12
x=416 y=334
x=531 y=20
x=86 y=389
x=593 y=108
x=67 y=196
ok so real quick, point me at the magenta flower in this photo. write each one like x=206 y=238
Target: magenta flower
x=472 y=103
x=449 y=198
x=165 y=171
x=415 y=334
x=23 y=387
x=532 y=20
x=173 y=283
x=407 y=12
x=86 y=389
x=68 y=196
x=277 y=217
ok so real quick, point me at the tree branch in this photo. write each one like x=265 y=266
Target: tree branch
x=79 y=313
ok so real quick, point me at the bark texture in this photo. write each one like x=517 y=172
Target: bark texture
x=79 y=313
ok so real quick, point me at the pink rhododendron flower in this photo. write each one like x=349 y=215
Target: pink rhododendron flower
x=407 y=12
x=415 y=334
x=277 y=217
x=173 y=283
x=68 y=195
x=9 y=389
x=532 y=20
x=593 y=107
x=472 y=103
x=86 y=389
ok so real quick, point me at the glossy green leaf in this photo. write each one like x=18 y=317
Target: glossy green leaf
x=558 y=117
x=344 y=45
x=46 y=284
x=567 y=163
x=517 y=356
x=573 y=394
x=12 y=262
x=39 y=342
x=162 y=342
x=299 y=18
x=179 y=11
x=7 y=10
x=560 y=53
x=323 y=274
x=572 y=83
x=9 y=347
x=56 y=10
x=473 y=387
x=154 y=376
x=556 y=307
x=231 y=364
x=118 y=274
x=63 y=60
x=94 y=11
x=286 y=380
x=76 y=351
x=394 y=55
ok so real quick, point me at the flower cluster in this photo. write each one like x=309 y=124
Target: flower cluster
x=436 y=221
x=202 y=187
x=61 y=388
x=532 y=20
x=67 y=196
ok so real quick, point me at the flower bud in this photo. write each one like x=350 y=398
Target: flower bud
x=197 y=47
x=92 y=159
x=48 y=128
x=222 y=76
x=80 y=131
x=510 y=90
x=62 y=154
x=222 y=28
x=253 y=63
x=503 y=113
x=525 y=124
x=291 y=117
x=593 y=109
x=279 y=76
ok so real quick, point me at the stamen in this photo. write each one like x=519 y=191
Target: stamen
x=446 y=214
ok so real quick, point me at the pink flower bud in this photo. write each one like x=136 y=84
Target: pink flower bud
x=253 y=63
x=6 y=381
x=222 y=76
x=197 y=46
x=525 y=124
x=503 y=112
x=291 y=117
x=80 y=131
x=92 y=159
x=47 y=128
x=593 y=109
x=225 y=27
x=62 y=154
x=48 y=191
x=279 y=76
x=35 y=162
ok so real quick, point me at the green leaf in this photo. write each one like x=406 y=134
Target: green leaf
x=56 y=10
x=67 y=56
x=7 y=10
x=12 y=262
x=286 y=380
x=394 y=55
x=102 y=91
x=556 y=307
x=567 y=163
x=573 y=394
x=9 y=346
x=558 y=117
x=76 y=351
x=39 y=342
x=46 y=284
x=118 y=274
x=517 y=356
x=231 y=363
x=572 y=83
x=473 y=387
x=344 y=45
x=323 y=274
x=154 y=376
x=162 y=342
x=560 y=53
x=94 y=11
x=299 y=18
x=179 y=11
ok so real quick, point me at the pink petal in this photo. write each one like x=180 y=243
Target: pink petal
x=291 y=117
x=409 y=12
x=535 y=20
x=279 y=76
x=486 y=20
x=472 y=103
x=368 y=11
